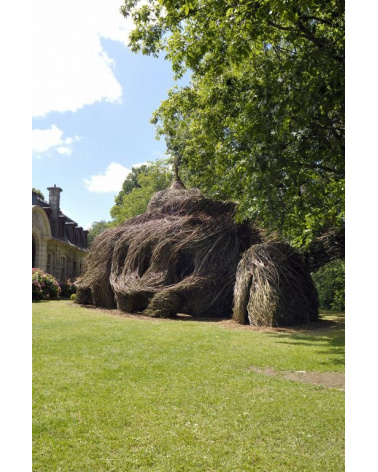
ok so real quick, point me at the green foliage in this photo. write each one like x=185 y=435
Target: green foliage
x=137 y=190
x=131 y=182
x=330 y=283
x=262 y=121
x=67 y=288
x=44 y=285
x=147 y=181
x=97 y=228
x=38 y=192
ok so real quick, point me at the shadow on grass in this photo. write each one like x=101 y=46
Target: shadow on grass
x=61 y=299
x=327 y=334
x=334 y=321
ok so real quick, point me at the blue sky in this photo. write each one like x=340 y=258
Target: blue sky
x=92 y=102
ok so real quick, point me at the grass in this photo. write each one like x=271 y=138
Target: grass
x=123 y=394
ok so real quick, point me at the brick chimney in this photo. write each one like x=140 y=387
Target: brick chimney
x=54 y=203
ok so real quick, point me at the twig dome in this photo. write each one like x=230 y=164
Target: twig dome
x=178 y=257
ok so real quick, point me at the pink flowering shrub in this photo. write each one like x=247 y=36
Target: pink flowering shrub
x=44 y=285
x=37 y=287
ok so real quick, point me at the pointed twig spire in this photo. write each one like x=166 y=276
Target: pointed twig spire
x=177 y=181
x=175 y=163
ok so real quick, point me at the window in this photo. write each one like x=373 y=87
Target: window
x=48 y=265
x=34 y=252
x=62 y=268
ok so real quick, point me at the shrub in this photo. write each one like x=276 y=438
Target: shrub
x=44 y=285
x=330 y=283
x=68 y=287
x=37 y=292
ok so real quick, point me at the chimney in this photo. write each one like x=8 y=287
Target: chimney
x=54 y=203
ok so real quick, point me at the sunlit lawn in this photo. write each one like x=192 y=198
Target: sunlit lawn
x=126 y=394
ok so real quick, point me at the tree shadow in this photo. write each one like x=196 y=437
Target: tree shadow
x=328 y=336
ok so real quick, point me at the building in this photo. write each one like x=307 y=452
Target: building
x=59 y=244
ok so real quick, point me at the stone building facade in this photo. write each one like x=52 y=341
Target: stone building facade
x=59 y=244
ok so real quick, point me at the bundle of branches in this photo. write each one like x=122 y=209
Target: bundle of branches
x=274 y=288
x=178 y=257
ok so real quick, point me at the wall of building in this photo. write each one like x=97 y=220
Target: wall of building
x=58 y=248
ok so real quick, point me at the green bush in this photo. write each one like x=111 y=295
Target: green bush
x=44 y=285
x=330 y=283
x=67 y=288
x=37 y=288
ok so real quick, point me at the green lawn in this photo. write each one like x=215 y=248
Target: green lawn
x=123 y=394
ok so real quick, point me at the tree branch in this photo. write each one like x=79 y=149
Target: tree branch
x=316 y=18
x=283 y=28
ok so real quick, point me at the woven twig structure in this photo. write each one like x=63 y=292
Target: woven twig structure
x=274 y=288
x=178 y=257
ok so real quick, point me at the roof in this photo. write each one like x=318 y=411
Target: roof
x=37 y=200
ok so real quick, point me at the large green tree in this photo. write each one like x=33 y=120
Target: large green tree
x=262 y=120
x=130 y=182
x=138 y=188
x=97 y=227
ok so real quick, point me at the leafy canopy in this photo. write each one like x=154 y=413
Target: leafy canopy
x=97 y=227
x=138 y=188
x=130 y=182
x=262 y=121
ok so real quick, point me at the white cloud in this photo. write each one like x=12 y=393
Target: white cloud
x=64 y=150
x=70 y=67
x=110 y=181
x=145 y=163
x=44 y=140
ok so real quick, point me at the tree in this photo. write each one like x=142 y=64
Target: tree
x=262 y=121
x=138 y=189
x=97 y=228
x=130 y=182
